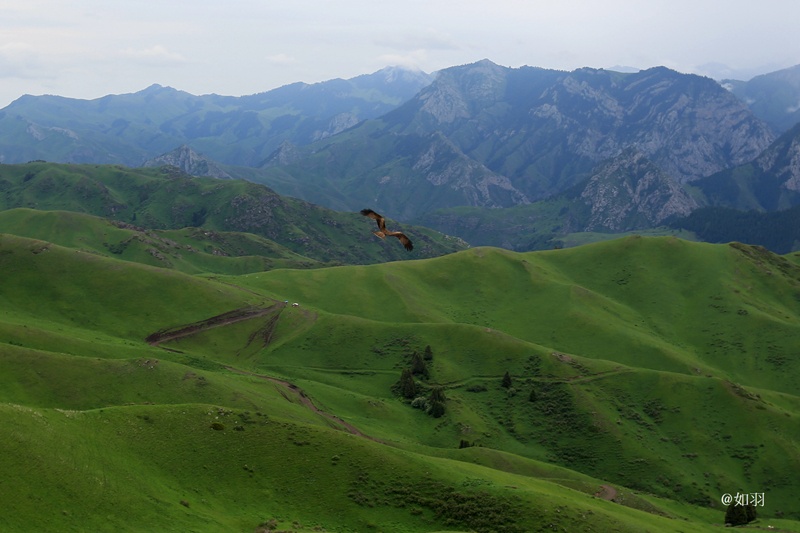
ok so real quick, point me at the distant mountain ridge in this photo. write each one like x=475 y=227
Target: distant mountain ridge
x=132 y=128
x=773 y=97
x=529 y=133
x=619 y=151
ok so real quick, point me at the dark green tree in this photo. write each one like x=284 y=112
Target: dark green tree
x=738 y=515
x=506 y=383
x=751 y=512
x=532 y=397
x=427 y=355
x=437 y=395
x=408 y=387
x=436 y=407
x=418 y=366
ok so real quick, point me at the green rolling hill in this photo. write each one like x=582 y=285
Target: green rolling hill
x=648 y=377
x=165 y=198
x=190 y=250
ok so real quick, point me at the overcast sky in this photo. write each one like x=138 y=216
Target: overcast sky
x=90 y=48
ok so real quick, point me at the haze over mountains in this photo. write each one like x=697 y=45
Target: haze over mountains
x=620 y=151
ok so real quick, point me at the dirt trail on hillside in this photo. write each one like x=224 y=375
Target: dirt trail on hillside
x=306 y=401
x=231 y=317
x=265 y=333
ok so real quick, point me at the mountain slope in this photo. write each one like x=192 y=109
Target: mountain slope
x=612 y=334
x=167 y=436
x=620 y=343
x=752 y=203
x=165 y=198
x=770 y=182
x=190 y=250
x=189 y=162
x=531 y=133
x=773 y=97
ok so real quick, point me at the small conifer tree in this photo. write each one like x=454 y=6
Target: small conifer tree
x=436 y=401
x=506 y=383
x=437 y=395
x=418 y=366
x=427 y=355
x=436 y=409
x=408 y=388
x=738 y=515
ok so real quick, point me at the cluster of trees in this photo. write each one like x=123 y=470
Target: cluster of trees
x=738 y=515
x=507 y=383
x=432 y=399
x=429 y=399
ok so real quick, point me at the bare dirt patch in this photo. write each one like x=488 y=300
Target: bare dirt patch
x=606 y=492
x=231 y=317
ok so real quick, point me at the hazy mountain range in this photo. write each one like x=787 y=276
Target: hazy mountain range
x=617 y=151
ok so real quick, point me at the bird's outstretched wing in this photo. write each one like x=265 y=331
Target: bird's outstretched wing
x=403 y=239
x=376 y=217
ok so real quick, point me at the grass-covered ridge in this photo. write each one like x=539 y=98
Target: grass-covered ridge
x=654 y=371
x=166 y=199
x=190 y=250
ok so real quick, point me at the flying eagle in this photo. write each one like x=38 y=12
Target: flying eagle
x=383 y=232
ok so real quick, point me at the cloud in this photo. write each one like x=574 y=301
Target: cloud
x=157 y=55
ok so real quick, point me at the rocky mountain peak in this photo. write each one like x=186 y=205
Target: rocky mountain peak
x=189 y=162
x=458 y=92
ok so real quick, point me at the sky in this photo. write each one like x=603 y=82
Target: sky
x=90 y=48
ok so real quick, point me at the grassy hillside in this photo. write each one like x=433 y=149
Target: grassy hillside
x=165 y=198
x=636 y=342
x=190 y=250
x=664 y=375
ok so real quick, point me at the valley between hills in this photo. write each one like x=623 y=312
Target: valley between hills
x=626 y=385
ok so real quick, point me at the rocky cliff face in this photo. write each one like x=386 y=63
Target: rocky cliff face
x=189 y=162
x=526 y=134
x=442 y=164
x=460 y=94
x=688 y=125
x=630 y=192
x=782 y=160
